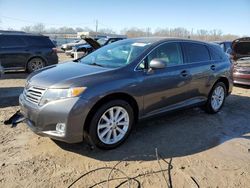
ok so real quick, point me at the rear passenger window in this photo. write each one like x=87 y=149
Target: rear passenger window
x=196 y=52
x=39 y=41
x=170 y=53
x=11 y=41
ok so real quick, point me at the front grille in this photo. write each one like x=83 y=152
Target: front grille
x=33 y=94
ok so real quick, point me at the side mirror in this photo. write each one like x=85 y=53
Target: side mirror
x=157 y=64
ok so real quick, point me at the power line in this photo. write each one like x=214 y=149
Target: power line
x=45 y=23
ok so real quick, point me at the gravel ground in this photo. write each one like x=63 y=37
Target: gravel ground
x=193 y=149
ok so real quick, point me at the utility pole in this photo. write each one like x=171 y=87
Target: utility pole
x=148 y=29
x=96 y=27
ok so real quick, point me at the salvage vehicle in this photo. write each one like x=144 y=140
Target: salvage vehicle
x=105 y=93
x=241 y=57
x=68 y=46
x=94 y=44
x=25 y=51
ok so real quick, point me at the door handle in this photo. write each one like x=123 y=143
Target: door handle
x=184 y=73
x=213 y=67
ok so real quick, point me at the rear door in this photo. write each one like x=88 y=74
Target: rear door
x=13 y=52
x=200 y=67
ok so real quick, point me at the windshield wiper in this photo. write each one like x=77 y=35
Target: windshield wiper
x=95 y=64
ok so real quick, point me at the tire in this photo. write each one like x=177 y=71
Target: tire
x=216 y=101
x=115 y=134
x=35 y=64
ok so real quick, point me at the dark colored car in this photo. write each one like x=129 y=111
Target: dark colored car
x=105 y=93
x=24 y=51
x=94 y=44
x=241 y=57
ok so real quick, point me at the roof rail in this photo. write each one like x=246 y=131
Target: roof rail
x=6 y=31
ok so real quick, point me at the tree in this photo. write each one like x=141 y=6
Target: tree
x=134 y=32
x=38 y=28
x=27 y=29
x=106 y=31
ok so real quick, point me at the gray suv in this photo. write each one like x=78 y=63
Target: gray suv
x=100 y=97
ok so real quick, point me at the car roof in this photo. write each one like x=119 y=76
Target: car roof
x=154 y=40
x=18 y=33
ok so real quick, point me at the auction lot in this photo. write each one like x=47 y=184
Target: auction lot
x=184 y=149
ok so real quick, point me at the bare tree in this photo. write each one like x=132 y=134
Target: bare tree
x=106 y=31
x=134 y=32
x=200 y=34
x=38 y=28
x=27 y=29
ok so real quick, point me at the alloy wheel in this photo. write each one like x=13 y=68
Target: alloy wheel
x=217 y=98
x=36 y=64
x=113 y=125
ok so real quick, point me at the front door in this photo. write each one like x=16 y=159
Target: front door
x=166 y=87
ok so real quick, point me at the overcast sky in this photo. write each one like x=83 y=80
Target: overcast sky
x=227 y=15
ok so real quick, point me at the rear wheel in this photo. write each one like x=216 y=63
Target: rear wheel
x=35 y=64
x=216 y=98
x=111 y=124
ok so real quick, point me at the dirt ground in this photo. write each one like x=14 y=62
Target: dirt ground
x=185 y=149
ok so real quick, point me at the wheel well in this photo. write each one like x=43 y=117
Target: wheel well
x=225 y=81
x=115 y=96
x=33 y=58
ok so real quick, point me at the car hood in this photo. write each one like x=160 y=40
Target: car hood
x=241 y=48
x=92 y=42
x=63 y=75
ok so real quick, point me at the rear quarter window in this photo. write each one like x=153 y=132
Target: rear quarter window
x=216 y=53
x=39 y=41
x=195 y=52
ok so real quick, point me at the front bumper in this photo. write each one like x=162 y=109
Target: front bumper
x=42 y=120
x=240 y=78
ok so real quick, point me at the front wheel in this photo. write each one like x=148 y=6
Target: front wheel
x=216 y=98
x=111 y=124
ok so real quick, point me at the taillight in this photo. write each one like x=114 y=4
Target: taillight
x=54 y=50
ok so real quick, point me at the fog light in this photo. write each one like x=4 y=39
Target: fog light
x=60 y=127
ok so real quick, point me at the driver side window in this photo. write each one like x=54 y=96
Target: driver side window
x=170 y=53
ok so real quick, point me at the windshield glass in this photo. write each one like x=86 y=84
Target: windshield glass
x=102 y=41
x=117 y=54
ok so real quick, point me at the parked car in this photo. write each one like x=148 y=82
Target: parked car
x=24 y=51
x=241 y=57
x=77 y=45
x=225 y=45
x=105 y=93
x=68 y=46
x=94 y=44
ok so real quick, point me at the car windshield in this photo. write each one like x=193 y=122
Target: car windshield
x=117 y=54
x=102 y=41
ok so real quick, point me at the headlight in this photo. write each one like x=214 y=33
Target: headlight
x=56 y=94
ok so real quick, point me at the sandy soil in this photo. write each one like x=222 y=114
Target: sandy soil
x=193 y=149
